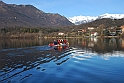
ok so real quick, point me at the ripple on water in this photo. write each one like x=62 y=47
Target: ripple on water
x=67 y=66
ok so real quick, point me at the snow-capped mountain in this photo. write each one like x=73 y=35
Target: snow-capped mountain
x=77 y=20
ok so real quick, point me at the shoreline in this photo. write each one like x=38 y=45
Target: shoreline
x=60 y=37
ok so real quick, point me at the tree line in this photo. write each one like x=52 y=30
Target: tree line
x=28 y=32
x=36 y=32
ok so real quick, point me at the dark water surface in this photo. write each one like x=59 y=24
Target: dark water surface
x=87 y=60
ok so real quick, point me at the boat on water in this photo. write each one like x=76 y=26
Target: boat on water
x=59 y=43
x=52 y=45
x=59 y=47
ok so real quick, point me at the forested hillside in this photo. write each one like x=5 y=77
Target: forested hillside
x=29 y=16
x=107 y=22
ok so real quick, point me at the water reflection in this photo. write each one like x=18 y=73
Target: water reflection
x=99 y=45
x=18 y=62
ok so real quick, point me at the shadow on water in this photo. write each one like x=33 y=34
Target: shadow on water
x=24 y=56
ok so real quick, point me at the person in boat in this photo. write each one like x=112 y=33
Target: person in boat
x=65 y=41
x=55 y=42
x=59 y=41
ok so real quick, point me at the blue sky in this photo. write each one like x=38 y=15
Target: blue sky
x=70 y=8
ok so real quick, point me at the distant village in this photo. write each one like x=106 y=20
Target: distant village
x=96 y=31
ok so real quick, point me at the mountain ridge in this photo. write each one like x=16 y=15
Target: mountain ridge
x=77 y=20
x=29 y=16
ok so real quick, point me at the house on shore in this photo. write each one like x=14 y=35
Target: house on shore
x=122 y=28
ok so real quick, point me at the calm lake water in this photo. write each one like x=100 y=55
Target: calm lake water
x=86 y=60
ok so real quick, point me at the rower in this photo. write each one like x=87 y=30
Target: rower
x=55 y=42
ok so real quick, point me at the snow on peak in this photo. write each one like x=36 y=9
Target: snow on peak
x=112 y=16
x=85 y=19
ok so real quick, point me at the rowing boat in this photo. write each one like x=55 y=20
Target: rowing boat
x=52 y=45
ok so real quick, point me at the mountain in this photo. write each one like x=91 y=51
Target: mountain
x=107 y=22
x=77 y=20
x=28 y=15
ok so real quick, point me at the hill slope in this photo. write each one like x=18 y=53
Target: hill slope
x=107 y=22
x=28 y=15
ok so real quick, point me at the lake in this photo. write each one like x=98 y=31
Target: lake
x=85 y=60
